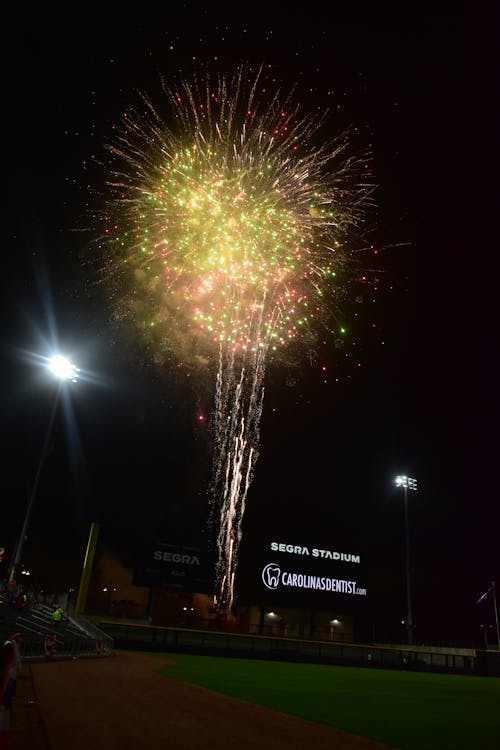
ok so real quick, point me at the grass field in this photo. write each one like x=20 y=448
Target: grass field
x=409 y=710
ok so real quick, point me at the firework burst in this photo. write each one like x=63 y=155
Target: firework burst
x=227 y=237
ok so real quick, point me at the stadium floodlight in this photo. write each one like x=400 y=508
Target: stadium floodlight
x=62 y=368
x=407 y=483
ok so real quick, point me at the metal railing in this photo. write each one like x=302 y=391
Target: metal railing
x=74 y=637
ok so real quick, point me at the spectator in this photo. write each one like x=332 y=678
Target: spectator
x=13 y=662
x=18 y=602
x=12 y=590
x=57 y=615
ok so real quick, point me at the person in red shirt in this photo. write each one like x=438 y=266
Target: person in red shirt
x=11 y=661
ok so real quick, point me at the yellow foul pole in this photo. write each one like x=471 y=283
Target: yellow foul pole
x=87 y=568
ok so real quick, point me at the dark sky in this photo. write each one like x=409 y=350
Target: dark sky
x=130 y=452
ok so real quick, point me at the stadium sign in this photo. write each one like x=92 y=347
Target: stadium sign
x=324 y=554
x=173 y=566
x=176 y=557
x=274 y=577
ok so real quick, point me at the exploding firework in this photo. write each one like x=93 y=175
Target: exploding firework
x=227 y=236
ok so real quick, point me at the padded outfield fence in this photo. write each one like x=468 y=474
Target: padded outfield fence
x=128 y=635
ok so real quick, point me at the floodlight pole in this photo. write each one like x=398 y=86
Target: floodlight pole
x=409 y=618
x=64 y=370
x=27 y=516
x=407 y=483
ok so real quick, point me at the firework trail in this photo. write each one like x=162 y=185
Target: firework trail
x=227 y=231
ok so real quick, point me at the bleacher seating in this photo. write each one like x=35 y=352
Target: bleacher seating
x=73 y=635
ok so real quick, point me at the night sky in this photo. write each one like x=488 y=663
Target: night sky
x=415 y=395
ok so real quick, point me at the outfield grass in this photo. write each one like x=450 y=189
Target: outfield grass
x=409 y=710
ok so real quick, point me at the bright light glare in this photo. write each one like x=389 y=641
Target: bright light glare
x=407 y=482
x=272 y=616
x=63 y=369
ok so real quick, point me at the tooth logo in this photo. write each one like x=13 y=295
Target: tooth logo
x=271 y=576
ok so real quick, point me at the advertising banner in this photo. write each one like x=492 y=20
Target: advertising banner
x=173 y=566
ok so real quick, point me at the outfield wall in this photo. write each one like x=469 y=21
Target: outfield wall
x=154 y=638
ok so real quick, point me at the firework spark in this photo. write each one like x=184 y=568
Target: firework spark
x=228 y=231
